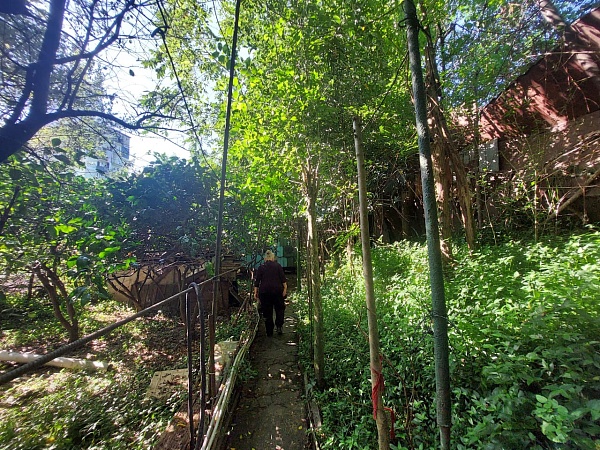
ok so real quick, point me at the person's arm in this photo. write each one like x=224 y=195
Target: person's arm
x=283 y=279
x=256 y=292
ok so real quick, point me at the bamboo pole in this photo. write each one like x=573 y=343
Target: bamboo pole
x=218 y=247
x=436 y=276
x=383 y=430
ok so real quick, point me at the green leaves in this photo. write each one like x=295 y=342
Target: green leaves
x=525 y=360
x=169 y=208
x=594 y=408
x=108 y=251
x=83 y=263
x=62 y=228
x=556 y=421
x=15 y=174
x=63 y=158
x=81 y=294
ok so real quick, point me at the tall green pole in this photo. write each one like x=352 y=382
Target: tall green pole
x=436 y=276
x=218 y=248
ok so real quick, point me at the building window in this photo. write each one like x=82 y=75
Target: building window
x=102 y=166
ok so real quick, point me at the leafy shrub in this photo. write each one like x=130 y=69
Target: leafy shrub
x=525 y=356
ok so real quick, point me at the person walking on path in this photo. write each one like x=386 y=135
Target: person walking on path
x=271 y=413
x=270 y=287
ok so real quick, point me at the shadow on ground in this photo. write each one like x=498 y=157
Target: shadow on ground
x=271 y=412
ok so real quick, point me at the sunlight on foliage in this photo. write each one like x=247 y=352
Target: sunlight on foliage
x=525 y=355
x=62 y=409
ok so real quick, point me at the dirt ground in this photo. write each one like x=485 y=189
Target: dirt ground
x=271 y=412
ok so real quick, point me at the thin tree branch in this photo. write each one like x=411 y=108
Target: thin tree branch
x=45 y=62
x=6 y=213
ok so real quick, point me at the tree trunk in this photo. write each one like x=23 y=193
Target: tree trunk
x=377 y=386
x=69 y=363
x=30 y=288
x=131 y=293
x=463 y=188
x=443 y=192
x=13 y=135
x=408 y=200
x=438 y=301
x=310 y=179
x=299 y=245
x=441 y=167
x=56 y=290
x=350 y=254
x=7 y=210
x=443 y=139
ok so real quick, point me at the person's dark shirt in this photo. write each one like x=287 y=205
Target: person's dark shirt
x=269 y=278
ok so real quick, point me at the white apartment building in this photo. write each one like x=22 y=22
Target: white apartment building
x=114 y=156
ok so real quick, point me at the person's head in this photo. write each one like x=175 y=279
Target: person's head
x=269 y=256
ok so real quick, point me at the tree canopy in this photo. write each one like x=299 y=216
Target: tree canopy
x=57 y=59
x=308 y=67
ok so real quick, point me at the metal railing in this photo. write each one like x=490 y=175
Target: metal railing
x=193 y=288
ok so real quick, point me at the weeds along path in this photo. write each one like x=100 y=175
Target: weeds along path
x=271 y=412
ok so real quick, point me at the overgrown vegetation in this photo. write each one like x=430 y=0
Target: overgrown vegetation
x=63 y=409
x=525 y=355
x=523 y=315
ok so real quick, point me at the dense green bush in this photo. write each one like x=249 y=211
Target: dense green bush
x=525 y=355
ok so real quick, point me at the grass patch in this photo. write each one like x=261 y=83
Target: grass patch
x=62 y=409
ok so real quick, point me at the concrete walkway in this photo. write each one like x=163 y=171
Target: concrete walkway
x=271 y=412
